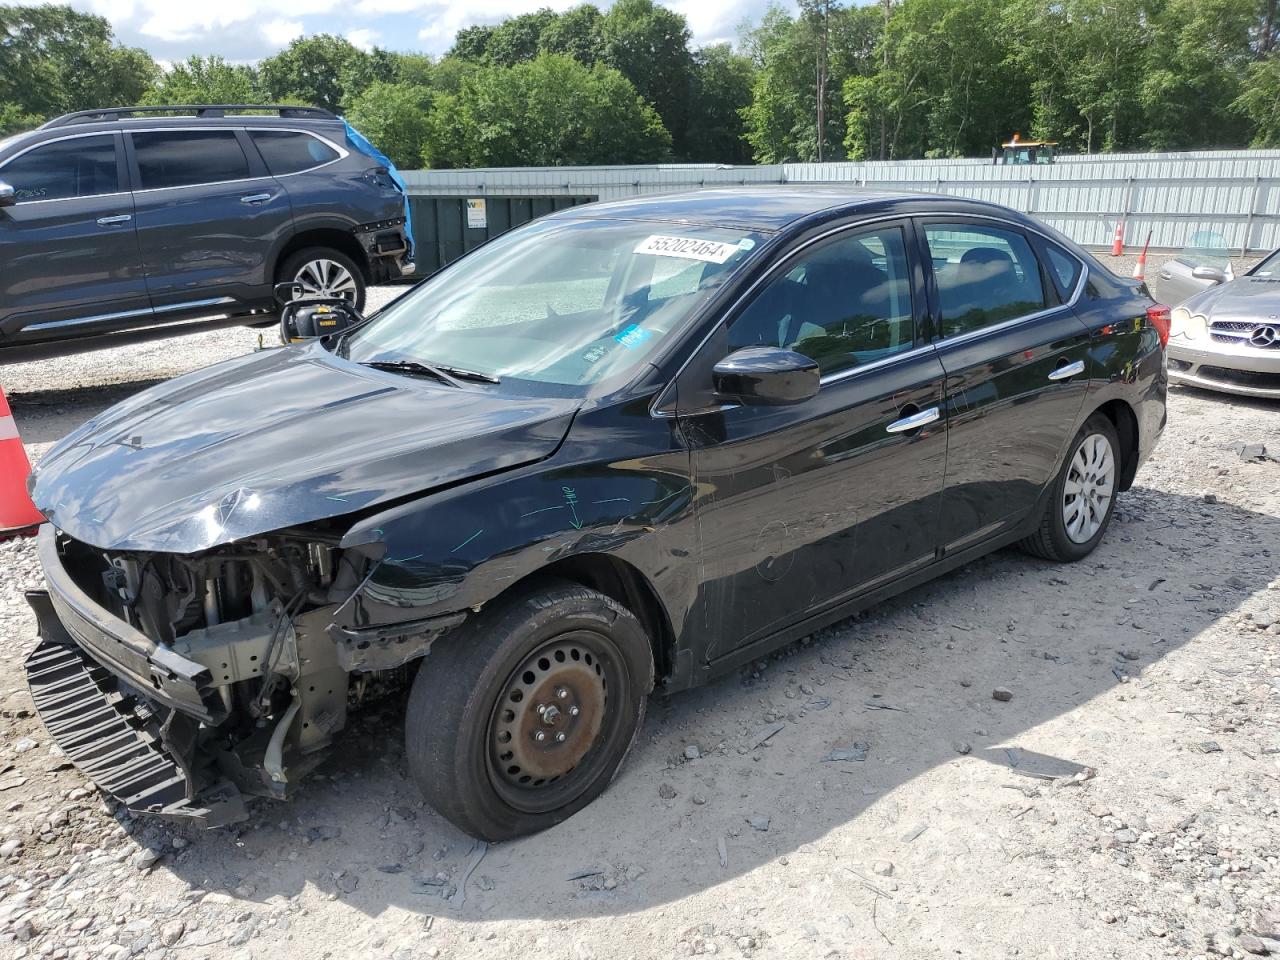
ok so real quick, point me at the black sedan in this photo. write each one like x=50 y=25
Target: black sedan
x=629 y=446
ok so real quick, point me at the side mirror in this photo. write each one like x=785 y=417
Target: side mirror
x=308 y=319
x=1212 y=274
x=8 y=196
x=766 y=376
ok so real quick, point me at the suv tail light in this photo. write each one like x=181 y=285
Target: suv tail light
x=1159 y=316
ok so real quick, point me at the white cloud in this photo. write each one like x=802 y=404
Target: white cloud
x=249 y=29
x=364 y=38
x=280 y=31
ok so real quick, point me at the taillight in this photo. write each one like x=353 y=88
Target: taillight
x=1159 y=316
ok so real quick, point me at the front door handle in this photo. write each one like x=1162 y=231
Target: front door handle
x=112 y=221
x=1067 y=371
x=256 y=198
x=1165 y=275
x=915 y=421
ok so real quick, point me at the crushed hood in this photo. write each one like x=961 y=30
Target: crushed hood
x=276 y=439
x=1255 y=299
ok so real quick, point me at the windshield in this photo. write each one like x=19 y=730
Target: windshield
x=1206 y=249
x=563 y=304
x=1269 y=267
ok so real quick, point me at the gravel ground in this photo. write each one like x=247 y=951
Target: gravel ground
x=1122 y=802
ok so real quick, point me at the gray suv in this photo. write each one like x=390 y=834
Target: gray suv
x=142 y=221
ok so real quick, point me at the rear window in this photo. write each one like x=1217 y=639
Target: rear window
x=182 y=158
x=289 y=151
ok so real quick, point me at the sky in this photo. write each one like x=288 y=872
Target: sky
x=242 y=30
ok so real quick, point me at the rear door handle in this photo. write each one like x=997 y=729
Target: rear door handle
x=915 y=421
x=1166 y=275
x=1068 y=371
x=111 y=221
x=256 y=198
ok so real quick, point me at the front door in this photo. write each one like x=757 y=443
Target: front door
x=68 y=254
x=800 y=507
x=1016 y=360
x=208 y=216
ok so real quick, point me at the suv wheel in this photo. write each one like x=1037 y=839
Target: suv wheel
x=325 y=273
x=525 y=716
x=1083 y=497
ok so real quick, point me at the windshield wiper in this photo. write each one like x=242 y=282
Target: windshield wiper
x=414 y=368
x=463 y=374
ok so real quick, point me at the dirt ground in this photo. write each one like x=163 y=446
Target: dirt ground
x=1124 y=802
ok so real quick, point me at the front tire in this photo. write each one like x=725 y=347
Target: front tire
x=524 y=717
x=324 y=272
x=1083 y=496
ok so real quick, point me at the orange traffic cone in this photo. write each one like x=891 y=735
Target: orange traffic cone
x=18 y=515
x=1140 y=268
x=1117 y=245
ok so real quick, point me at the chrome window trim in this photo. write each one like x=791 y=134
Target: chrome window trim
x=98 y=318
x=914 y=218
x=70 y=136
x=342 y=155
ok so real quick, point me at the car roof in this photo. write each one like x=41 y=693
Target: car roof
x=152 y=122
x=770 y=209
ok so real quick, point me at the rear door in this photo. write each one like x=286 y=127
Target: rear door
x=69 y=259
x=800 y=507
x=1016 y=361
x=208 y=214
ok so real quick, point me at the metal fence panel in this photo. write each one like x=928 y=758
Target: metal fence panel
x=1235 y=193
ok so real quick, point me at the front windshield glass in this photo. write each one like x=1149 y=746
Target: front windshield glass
x=563 y=303
x=1206 y=249
x=1269 y=268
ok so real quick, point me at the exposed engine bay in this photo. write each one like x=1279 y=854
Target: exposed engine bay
x=269 y=651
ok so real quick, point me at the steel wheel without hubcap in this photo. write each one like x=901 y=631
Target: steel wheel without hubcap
x=548 y=719
x=326 y=278
x=1090 y=485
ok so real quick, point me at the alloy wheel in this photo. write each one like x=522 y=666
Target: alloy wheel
x=1090 y=486
x=326 y=278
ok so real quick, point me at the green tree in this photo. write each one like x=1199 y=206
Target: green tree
x=206 y=80
x=1198 y=64
x=722 y=90
x=518 y=39
x=323 y=71
x=649 y=45
x=1259 y=102
x=57 y=60
x=550 y=110
x=472 y=43
x=395 y=117
x=576 y=33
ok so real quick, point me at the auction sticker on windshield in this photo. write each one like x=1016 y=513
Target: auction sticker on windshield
x=689 y=248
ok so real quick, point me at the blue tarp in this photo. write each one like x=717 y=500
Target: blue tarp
x=360 y=143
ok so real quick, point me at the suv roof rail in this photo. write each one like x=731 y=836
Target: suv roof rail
x=201 y=110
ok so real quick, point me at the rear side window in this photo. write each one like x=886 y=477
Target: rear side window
x=182 y=158
x=1066 y=269
x=288 y=151
x=78 y=167
x=985 y=276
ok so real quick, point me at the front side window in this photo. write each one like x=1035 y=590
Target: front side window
x=985 y=275
x=183 y=158
x=289 y=151
x=558 y=306
x=77 y=167
x=845 y=304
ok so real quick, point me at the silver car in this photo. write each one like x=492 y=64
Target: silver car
x=1203 y=263
x=1228 y=337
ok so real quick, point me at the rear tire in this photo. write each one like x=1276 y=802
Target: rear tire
x=1083 y=497
x=524 y=717
x=324 y=271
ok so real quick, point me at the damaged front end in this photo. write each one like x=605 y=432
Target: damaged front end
x=178 y=683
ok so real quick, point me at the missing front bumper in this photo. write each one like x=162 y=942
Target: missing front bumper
x=132 y=748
